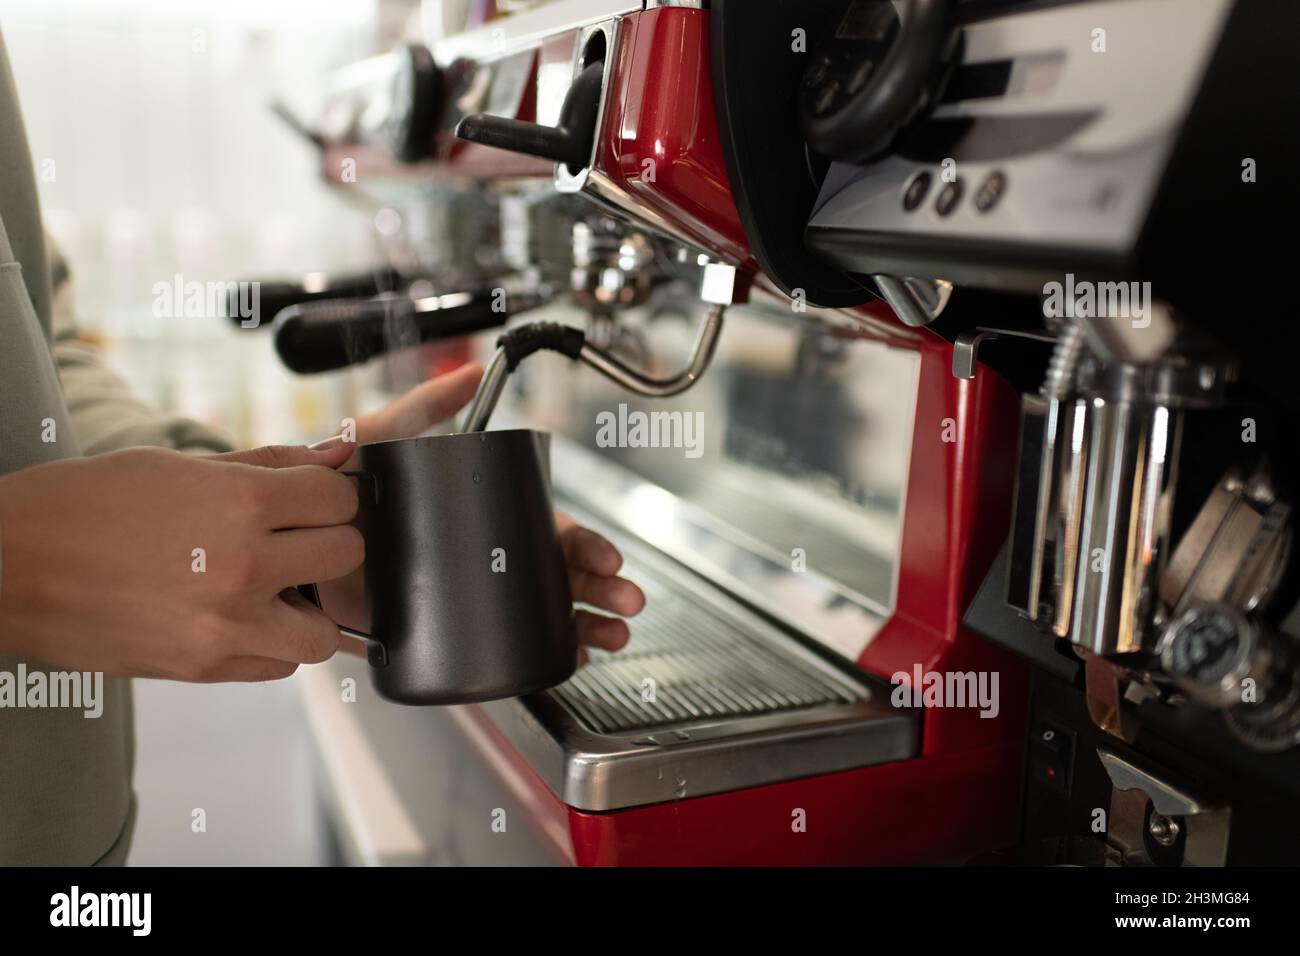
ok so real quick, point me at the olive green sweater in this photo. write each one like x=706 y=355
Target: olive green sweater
x=65 y=779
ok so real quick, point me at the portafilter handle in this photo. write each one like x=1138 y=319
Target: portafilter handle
x=519 y=343
x=322 y=336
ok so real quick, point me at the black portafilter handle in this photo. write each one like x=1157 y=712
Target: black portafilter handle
x=324 y=336
x=276 y=295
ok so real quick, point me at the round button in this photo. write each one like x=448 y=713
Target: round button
x=990 y=191
x=824 y=99
x=948 y=198
x=916 y=190
x=817 y=72
x=860 y=76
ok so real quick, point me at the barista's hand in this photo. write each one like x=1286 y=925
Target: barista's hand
x=149 y=563
x=593 y=562
x=429 y=403
x=424 y=406
x=593 y=579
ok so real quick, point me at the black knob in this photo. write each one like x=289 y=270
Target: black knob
x=408 y=128
x=569 y=143
x=887 y=63
x=1210 y=650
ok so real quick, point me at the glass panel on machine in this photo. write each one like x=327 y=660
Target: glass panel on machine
x=794 y=445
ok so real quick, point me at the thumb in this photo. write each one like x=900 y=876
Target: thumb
x=429 y=403
x=330 y=454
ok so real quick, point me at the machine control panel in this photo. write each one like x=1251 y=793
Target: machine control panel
x=1047 y=146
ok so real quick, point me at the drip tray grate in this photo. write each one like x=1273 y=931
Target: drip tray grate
x=686 y=662
x=708 y=696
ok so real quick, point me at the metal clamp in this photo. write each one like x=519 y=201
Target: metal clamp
x=917 y=302
x=965 y=348
x=1204 y=827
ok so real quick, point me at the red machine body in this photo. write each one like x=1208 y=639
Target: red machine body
x=665 y=114
x=658 y=151
x=958 y=800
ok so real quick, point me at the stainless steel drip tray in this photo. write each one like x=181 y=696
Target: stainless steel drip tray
x=707 y=696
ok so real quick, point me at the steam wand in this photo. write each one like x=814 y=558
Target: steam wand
x=517 y=344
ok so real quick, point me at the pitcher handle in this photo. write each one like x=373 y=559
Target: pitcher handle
x=375 y=652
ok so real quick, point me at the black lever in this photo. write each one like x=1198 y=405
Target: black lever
x=323 y=336
x=569 y=143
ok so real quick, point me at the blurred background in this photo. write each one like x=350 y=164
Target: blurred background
x=156 y=155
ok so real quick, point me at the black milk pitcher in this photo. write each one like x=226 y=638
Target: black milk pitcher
x=467 y=586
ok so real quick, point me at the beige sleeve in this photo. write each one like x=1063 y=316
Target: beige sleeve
x=105 y=415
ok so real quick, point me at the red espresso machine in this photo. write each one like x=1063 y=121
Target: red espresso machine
x=806 y=684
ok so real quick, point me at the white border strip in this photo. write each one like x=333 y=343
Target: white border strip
x=372 y=822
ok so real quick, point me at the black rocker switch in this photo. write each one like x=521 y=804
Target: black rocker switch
x=1051 y=756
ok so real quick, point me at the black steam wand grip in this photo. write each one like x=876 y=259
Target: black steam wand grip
x=522 y=341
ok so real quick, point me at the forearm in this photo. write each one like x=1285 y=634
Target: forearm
x=105 y=415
